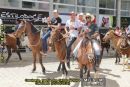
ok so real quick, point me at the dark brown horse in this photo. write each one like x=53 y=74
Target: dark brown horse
x=104 y=44
x=60 y=48
x=86 y=57
x=34 y=43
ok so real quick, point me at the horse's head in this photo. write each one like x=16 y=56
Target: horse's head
x=124 y=42
x=87 y=49
x=56 y=35
x=21 y=29
x=108 y=35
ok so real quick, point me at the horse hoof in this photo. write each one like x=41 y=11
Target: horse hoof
x=33 y=70
x=44 y=71
x=58 y=70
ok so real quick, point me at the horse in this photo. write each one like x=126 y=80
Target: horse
x=11 y=43
x=125 y=49
x=86 y=57
x=34 y=43
x=116 y=41
x=59 y=43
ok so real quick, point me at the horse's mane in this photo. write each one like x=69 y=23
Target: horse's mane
x=33 y=29
x=85 y=42
x=112 y=31
x=58 y=35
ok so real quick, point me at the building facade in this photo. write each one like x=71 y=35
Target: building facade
x=114 y=8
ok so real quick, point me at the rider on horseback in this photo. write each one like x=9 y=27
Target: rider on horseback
x=72 y=29
x=93 y=33
x=55 y=22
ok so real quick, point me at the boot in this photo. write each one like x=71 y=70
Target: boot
x=97 y=62
x=18 y=42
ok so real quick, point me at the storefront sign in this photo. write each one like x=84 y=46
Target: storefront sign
x=9 y=16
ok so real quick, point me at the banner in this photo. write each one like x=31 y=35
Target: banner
x=105 y=21
x=9 y=16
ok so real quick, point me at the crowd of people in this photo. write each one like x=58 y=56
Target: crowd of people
x=75 y=27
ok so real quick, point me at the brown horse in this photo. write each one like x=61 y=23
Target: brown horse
x=60 y=48
x=34 y=43
x=86 y=57
x=116 y=41
x=11 y=43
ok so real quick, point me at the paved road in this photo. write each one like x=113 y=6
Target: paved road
x=15 y=72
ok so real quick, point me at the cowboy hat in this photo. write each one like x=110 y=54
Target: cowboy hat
x=55 y=11
x=81 y=14
x=90 y=15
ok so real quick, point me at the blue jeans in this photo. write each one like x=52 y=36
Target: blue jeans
x=69 y=44
x=44 y=40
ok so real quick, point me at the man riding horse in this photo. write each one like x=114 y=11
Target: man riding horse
x=55 y=22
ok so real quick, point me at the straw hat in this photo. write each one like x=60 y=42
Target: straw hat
x=1 y=22
x=90 y=15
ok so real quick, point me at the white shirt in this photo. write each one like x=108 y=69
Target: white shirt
x=128 y=31
x=75 y=24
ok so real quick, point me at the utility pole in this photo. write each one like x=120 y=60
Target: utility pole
x=118 y=13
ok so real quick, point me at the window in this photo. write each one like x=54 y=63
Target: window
x=125 y=5
x=87 y=2
x=14 y=3
x=65 y=8
x=26 y=4
x=86 y=10
x=43 y=6
x=104 y=11
x=65 y=1
x=107 y=4
x=125 y=13
x=36 y=5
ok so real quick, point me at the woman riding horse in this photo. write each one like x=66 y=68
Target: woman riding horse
x=91 y=27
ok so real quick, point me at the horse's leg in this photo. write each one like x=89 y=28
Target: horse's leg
x=102 y=51
x=40 y=61
x=116 y=57
x=107 y=49
x=64 y=69
x=59 y=67
x=81 y=75
x=18 y=52
x=9 y=54
x=34 y=61
x=84 y=69
x=88 y=74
